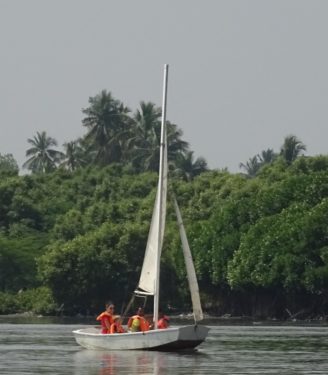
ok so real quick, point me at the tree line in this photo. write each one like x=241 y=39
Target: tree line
x=73 y=234
x=114 y=135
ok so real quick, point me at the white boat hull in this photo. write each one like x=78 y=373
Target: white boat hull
x=170 y=339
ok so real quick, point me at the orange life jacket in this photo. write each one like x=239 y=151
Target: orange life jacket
x=106 y=320
x=163 y=323
x=138 y=323
x=116 y=327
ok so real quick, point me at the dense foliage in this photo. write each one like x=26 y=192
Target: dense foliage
x=82 y=235
x=73 y=232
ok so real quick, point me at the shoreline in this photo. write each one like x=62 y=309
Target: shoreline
x=177 y=318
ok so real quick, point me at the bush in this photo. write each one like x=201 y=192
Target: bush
x=8 y=303
x=37 y=301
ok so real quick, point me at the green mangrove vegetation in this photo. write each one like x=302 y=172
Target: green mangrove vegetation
x=73 y=231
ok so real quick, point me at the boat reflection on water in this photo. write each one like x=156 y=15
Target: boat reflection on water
x=115 y=362
x=134 y=362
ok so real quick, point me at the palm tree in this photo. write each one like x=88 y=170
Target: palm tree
x=267 y=156
x=175 y=144
x=43 y=158
x=108 y=124
x=145 y=142
x=252 y=166
x=187 y=168
x=75 y=155
x=146 y=118
x=292 y=148
x=146 y=151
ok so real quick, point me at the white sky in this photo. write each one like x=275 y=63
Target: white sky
x=243 y=74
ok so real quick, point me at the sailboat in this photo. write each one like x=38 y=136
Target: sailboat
x=172 y=338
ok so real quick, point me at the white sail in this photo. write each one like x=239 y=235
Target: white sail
x=149 y=278
x=148 y=275
x=191 y=274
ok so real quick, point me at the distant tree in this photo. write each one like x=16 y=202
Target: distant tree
x=145 y=154
x=8 y=165
x=43 y=158
x=145 y=141
x=175 y=144
x=187 y=168
x=17 y=260
x=267 y=156
x=291 y=148
x=74 y=156
x=146 y=119
x=252 y=166
x=108 y=127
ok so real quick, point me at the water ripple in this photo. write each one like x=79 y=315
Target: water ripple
x=51 y=349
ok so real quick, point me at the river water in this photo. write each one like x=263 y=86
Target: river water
x=229 y=349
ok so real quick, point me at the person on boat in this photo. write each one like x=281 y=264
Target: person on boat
x=116 y=326
x=106 y=318
x=163 y=321
x=138 y=323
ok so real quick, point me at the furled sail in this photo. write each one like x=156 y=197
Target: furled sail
x=191 y=274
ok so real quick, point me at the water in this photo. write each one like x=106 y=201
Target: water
x=254 y=349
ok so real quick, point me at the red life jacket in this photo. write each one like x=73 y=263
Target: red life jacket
x=103 y=318
x=116 y=327
x=163 y=323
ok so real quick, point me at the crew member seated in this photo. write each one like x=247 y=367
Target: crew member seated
x=138 y=323
x=163 y=321
x=116 y=327
x=106 y=318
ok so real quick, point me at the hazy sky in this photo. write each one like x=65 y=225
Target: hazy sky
x=243 y=74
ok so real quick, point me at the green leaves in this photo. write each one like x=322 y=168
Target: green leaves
x=17 y=259
x=88 y=229
x=291 y=148
x=96 y=266
x=264 y=233
x=8 y=166
x=108 y=124
x=284 y=250
x=42 y=157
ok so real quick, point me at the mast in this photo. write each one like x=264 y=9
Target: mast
x=160 y=189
